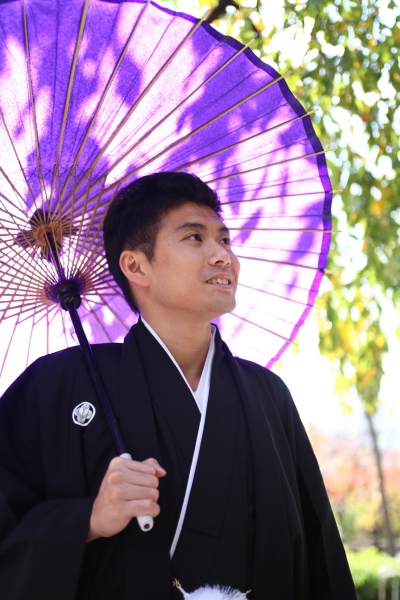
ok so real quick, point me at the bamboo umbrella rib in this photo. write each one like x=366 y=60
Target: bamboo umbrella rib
x=281 y=162
x=263 y=312
x=100 y=279
x=104 y=95
x=21 y=283
x=18 y=275
x=260 y=152
x=8 y=346
x=92 y=269
x=23 y=278
x=47 y=333
x=286 y=285
x=253 y=347
x=69 y=93
x=243 y=141
x=53 y=311
x=23 y=308
x=112 y=292
x=75 y=256
x=194 y=131
x=93 y=312
x=264 y=328
x=100 y=285
x=204 y=125
x=88 y=227
x=10 y=303
x=30 y=342
x=146 y=91
x=282 y=229
x=178 y=106
x=10 y=183
x=10 y=139
x=97 y=241
x=286 y=264
x=116 y=315
x=94 y=258
x=27 y=308
x=101 y=205
x=37 y=265
x=28 y=300
x=17 y=293
x=278 y=248
x=64 y=329
x=91 y=301
x=16 y=228
x=49 y=310
x=286 y=298
x=32 y=99
x=247 y=216
x=80 y=230
x=251 y=186
x=69 y=248
x=281 y=196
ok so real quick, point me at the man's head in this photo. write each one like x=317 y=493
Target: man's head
x=166 y=245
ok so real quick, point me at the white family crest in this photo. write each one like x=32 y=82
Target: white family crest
x=83 y=413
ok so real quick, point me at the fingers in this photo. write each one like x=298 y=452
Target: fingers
x=137 y=508
x=149 y=466
x=129 y=489
x=160 y=472
x=117 y=476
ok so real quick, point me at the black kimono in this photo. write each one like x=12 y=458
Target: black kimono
x=258 y=516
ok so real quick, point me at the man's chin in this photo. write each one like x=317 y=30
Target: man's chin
x=221 y=309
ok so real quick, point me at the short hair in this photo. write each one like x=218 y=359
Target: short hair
x=134 y=217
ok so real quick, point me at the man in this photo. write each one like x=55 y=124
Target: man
x=251 y=513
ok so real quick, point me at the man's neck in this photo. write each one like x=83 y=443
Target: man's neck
x=188 y=343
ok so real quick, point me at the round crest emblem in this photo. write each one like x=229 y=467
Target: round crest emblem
x=83 y=413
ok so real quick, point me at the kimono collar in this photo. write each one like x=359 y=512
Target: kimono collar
x=203 y=389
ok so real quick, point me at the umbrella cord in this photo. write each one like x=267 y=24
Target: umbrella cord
x=95 y=376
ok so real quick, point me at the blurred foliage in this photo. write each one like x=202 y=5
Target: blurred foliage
x=367 y=566
x=348 y=67
x=349 y=472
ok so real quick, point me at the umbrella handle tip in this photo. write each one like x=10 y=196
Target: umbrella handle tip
x=145 y=522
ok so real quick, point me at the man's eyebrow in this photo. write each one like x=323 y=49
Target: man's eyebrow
x=201 y=226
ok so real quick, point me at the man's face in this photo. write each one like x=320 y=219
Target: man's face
x=194 y=270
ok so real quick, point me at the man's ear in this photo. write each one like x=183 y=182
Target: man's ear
x=134 y=266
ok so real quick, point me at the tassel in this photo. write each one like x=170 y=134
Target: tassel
x=212 y=593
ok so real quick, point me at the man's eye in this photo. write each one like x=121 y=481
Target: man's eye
x=226 y=241
x=195 y=237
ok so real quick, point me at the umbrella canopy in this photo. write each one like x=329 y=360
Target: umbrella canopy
x=96 y=93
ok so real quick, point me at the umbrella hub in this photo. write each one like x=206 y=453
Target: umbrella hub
x=66 y=291
x=46 y=233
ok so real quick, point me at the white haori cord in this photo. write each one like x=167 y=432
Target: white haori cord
x=201 y=398
x=193 y=466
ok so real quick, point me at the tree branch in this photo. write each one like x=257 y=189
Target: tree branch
x=220 y=9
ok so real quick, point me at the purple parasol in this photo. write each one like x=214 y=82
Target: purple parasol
x=96 y=93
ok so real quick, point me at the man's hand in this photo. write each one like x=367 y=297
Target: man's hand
x=129 y=489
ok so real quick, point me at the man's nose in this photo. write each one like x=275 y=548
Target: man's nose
x=220 y=255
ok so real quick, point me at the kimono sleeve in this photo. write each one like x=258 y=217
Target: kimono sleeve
x=42 y=541
x=329 y=573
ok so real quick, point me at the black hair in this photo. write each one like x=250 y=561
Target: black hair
x=134 y=216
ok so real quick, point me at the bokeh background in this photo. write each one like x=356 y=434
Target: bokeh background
x=344 y=374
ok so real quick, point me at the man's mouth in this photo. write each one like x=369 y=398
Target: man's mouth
x=219 y=280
